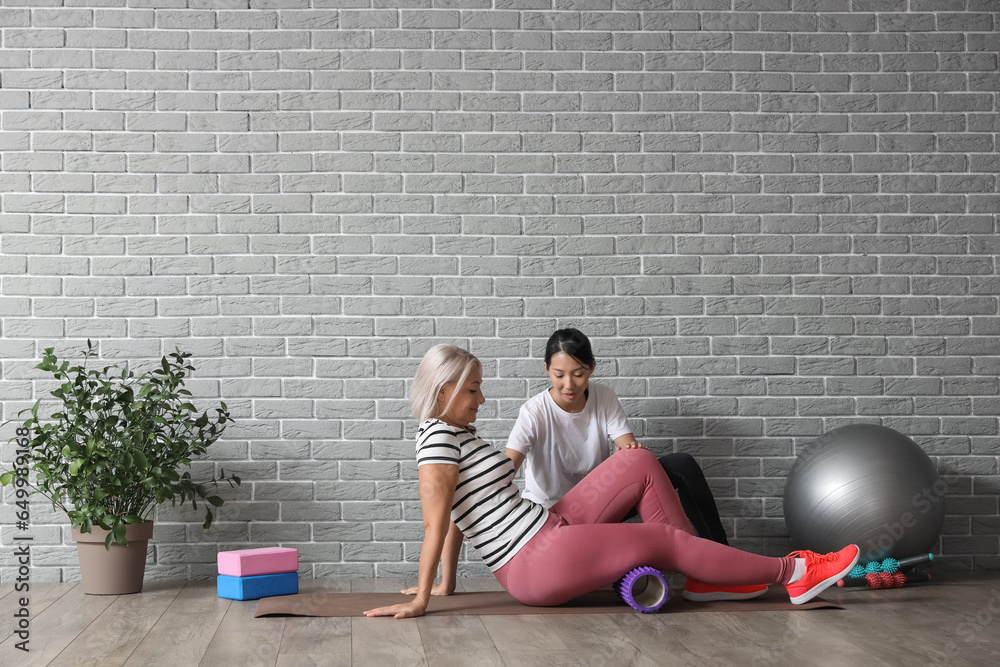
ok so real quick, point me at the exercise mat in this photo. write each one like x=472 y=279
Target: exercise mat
x=496 y=603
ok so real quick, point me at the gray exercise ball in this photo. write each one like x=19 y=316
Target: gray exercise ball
x=867 y=485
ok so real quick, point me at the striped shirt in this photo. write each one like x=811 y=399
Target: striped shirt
x=488 y=507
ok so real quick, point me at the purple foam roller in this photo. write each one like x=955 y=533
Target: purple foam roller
x=644 y=589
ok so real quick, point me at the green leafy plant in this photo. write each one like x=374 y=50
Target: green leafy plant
x=114 y=448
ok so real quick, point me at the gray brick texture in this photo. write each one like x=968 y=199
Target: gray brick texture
x=773 y=218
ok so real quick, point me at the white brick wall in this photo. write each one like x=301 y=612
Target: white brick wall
x=773 y=217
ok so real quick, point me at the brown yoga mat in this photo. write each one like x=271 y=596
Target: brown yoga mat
x=501 y=603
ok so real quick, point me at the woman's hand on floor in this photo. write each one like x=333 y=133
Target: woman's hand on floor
x=403 y=610
x=436 y=589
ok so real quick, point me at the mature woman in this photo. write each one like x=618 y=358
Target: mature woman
x=562 y=433
x=549 y=557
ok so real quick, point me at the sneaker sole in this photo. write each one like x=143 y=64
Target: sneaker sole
x=826 y=583
x=719 y=595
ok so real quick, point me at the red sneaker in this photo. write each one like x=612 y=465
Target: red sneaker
x=699 y=591
x=822 y=570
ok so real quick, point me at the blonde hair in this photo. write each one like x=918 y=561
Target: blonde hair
x=442 y=364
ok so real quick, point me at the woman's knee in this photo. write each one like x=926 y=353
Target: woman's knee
x=639 y=460
x=637 y=457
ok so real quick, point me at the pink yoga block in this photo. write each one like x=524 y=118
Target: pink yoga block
x=253 y=562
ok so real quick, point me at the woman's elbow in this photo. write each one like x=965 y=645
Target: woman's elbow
x=435 y=529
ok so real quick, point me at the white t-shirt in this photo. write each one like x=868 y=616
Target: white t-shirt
x=560 y=447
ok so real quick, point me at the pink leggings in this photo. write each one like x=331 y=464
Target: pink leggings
x=583 y=547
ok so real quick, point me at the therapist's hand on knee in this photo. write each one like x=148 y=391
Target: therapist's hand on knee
x=627 y=441
x=631 y=445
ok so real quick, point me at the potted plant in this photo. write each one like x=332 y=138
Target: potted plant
x=111 y=451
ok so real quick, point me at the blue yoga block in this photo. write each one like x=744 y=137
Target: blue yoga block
x=260 y=586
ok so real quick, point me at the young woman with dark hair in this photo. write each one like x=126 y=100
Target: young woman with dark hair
x=563 y=433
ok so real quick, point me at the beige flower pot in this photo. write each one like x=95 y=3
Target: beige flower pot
x=116 y=572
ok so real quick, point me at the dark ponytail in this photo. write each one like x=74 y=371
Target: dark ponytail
x=573 y=343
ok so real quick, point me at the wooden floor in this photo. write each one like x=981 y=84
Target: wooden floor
x=953 y=621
